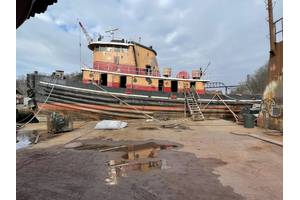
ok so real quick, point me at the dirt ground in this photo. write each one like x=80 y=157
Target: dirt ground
x=209 y=162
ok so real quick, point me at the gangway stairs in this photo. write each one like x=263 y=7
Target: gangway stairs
x=193 y=106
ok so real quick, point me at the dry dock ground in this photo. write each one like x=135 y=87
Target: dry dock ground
x=214 y=159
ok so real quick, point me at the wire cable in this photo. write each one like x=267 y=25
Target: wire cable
x=40 y=108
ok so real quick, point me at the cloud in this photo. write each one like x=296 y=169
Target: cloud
x=232 y=35
x=171 y=36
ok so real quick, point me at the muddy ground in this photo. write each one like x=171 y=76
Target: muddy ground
x=208 y=163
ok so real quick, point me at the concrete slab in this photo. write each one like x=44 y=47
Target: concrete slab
x=249 y=168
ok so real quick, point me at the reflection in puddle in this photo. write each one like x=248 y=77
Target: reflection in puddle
x=120 y=168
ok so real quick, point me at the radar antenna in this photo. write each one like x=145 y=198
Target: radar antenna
x=112 y=32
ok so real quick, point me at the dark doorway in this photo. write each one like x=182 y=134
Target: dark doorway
x=174 y=86
x=160 y=85
x=123 y=80
x=104 y=79
x=193 y=84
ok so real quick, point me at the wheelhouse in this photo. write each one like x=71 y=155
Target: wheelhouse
x=133 y=66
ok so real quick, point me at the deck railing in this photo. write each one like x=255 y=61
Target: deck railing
x=125 y=69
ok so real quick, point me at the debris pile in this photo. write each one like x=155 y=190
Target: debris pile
x=58 y=123
x=175 y=126
x=110 y=125
x=26 y=138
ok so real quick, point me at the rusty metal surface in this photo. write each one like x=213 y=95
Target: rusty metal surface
x=276 y=63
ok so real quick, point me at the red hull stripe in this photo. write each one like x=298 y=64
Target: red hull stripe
x=73 y=107
x=121 y=108
x=200 y=91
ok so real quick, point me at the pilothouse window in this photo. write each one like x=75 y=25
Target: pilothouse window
x=103 y=49
x=148 y=70
x=115 y=49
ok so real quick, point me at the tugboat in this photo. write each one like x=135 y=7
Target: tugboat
x=125 y=82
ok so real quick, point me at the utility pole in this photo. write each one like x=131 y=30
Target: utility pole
x=271 y=27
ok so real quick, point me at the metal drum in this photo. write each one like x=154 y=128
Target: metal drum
x=196 y=74
x=183 y=74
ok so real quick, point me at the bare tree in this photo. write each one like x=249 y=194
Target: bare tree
x=75 y=76
x=21 y=84
x=256 y=83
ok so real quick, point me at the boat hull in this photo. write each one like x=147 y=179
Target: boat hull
x=102 y=102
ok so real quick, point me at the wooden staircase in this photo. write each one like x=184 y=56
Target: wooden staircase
x=193 y=106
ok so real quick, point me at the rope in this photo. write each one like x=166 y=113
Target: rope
x=157 y=120
x=234 y=115
x=126 y=103
x=209 y=102
x=217 y=95
x=40 y=108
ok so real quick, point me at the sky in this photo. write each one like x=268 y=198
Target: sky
x=230 y=34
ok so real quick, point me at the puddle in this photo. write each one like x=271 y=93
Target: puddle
x=124 y=147
x=122 y=168
x=138 y=157
x=25 y=138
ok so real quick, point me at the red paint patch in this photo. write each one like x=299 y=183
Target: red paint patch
x=200 y=91
x=143 y=88
x=167 y=89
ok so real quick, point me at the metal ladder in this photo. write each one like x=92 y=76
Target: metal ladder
x=193 y=106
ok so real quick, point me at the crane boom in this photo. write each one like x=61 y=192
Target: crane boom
x=88 y=37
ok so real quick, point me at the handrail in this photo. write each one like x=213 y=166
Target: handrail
x=198 y=97
x=125 y=69
x=278 y=20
